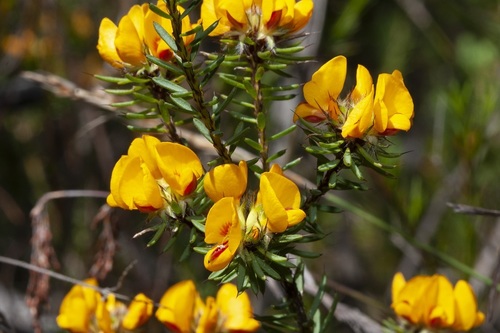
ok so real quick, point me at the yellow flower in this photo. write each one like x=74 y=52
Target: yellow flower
x=183 y=311
x=223 y=229
x=123 y=46
x=281 y=201
x=177 y=306
x=78 y=307
x=126 y=45
x=393 y=107
x=432 y=301
x=236 y=309
x=157 y=46
x=256 y=18
x=229 y=221
x=138 y=313
x=226 y=180
x=153 y=174
x=363 y=111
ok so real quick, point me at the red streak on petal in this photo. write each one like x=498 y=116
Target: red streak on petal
x=191 y=186
x=274 y=20
x=147 y=209
x=166 y=55
x=233 y=21
x=389 y=131
x=314 y=119
x=224 y=230
x=219 y=249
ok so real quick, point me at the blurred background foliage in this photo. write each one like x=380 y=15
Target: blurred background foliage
x=448 y=52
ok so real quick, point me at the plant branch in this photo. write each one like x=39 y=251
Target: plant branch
x=186 y=64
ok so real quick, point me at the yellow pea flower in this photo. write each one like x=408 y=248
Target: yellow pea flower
x=138 y=313
x=123 y=46
x=223 y=229
x=432 y=302
x=280 y=199
x=226 y=180
x=393 y=107
x=183 y=311
x=126 y=45
x=177 y=307
x=78 y=307
x=256 y=18
x=155 y=44
x=365 y=111
x=236 y=309
x=152 y=174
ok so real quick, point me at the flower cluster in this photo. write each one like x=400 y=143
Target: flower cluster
x=183 y=311
x=432 y=302
x=257 y=19
x=126 y=45
x=366 y=110
x=84 y=309
x=234 y=220
x=154 y=175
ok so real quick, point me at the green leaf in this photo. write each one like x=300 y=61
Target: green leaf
x=202 y=129
x=169 y=85
x=210 y=70
x=167 y=38
x=279 y=97
x=328 y=165
x=201 y=35
x=282 y=133
x=357 y=171
x=319 y=296
x=155 y=9
x=276 y=155
x=289 y=50
x=183 y=104
x=256 y=267
x=198 y=222
x=145 y=98
x=305 y=254
x=271 y=272
x=226 y=101
x=123 y=104
x=347 y=158
x=261 y=121
x=291 y=164
x=254 y=144
x=243 y=117
x=225 y=78
x=280 y=88
x=137 y=79
x=160 y=229
x=166 y=65
x=122 y=92
x=112 y=79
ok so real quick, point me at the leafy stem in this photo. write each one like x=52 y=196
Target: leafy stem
x=183 y=56
x=259 y=110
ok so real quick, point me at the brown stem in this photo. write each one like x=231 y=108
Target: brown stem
x=297 y=306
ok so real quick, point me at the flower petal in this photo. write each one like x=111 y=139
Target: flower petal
x=326 y=83
x=309 y=113
x=106 y=43
x=465 y=307
x=138 y=313
x=237 y=309
x=302 y=14
x=177 y=305
x=279 y=195
x=179 y=166
x=129 y=44
x=226 y=180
